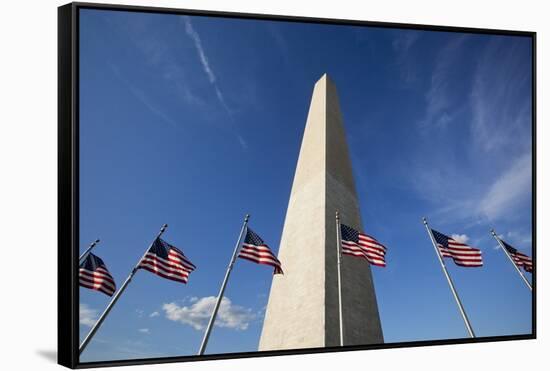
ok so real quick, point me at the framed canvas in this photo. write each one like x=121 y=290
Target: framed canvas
x=243 y=185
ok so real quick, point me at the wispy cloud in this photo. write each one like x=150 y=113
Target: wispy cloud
x=154 y=314
x=144 y=331
x=193 y=34
x=510 y=188
x=88 y=316
x=520 y=240
x=497 y=246
x=485 y=175
x=200 y=50
x=197 y=315
x=205 y=63
x=520 y=237
x=501 y=124
x=404 y=41
x=440 y=107
x=143 y=97
x=243 y=142
x=458 y=197
x=161 y=59
x=280 y=41
x=496 y=120
x=167 y=62
x=402 y=46
x=221 y=98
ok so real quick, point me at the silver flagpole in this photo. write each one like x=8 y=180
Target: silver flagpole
x=222 y=289
x=450 y=281
x=511 y=260
x=339 y=259
x=117 y=296
x=88 y=250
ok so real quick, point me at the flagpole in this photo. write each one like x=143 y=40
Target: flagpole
x=450 y=281
x=339 y=259
x=222 y=289
x=117 y=296
x=92 y=245
x=511 y=260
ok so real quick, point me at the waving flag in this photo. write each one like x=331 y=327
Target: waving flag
x=359 y=244
x=255 y=250
x=521 y=260
x=462 y=254
x=93 y=274
x=167 y=261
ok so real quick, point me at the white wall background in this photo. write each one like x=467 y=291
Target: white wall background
x=28 y=180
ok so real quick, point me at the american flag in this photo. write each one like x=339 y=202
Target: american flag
x=93 y=274
x=462 y=254
x=520 y=259
x=359 y=244
x=255 y=250
x=167 y=261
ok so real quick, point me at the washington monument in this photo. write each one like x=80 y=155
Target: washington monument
x=302 y=311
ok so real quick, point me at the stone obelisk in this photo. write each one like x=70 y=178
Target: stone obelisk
x=302 y=311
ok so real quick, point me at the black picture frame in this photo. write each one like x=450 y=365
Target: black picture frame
x=68 y=183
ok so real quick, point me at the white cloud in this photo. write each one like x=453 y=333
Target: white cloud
x=440 y=109
x=154 y=314
x=462 y=238
x=194 y=35
x=404 y=41
x=222 y=100
x=197 y=315
x=205 y=63
x=200 y=50
x=280 y=41
x=497 y=246
x=404 y=59
x=500 y=99
x=518 y=239
x=523 y=238
x=487 y=176
x=143 y=97
x=510 y=188
x=88 y=316
x=242 y=142
x=144 y=330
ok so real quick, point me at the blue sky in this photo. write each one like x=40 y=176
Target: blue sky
x=196 y=121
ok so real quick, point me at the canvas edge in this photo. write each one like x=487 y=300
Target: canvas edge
x=68 y=182
x=67 y=288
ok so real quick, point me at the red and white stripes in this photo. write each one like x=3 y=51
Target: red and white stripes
x=100 y=280
x=462 y=254
x=177 y=267
x=261 y=255
x=366 y=247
